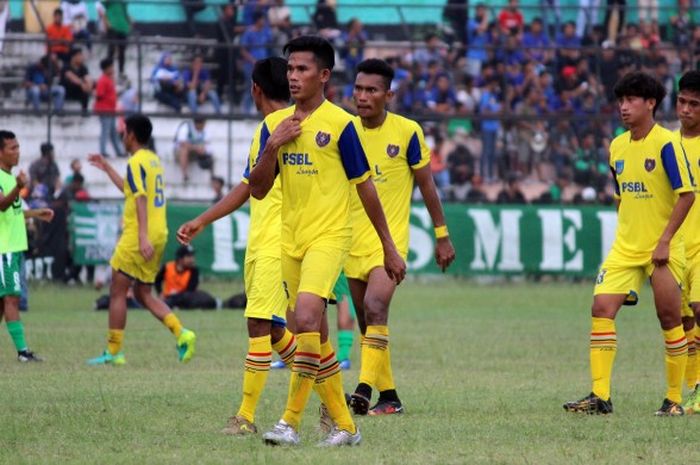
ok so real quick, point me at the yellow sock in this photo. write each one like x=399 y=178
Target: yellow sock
x=286 y=347
x=257 y=367
x=373 y=354
x=676 y=359
x=602 y=350
x=697 y=359
x=115 y=337
x=303 y=378
x=385 y=380
x=691 y=368
x=329 y=386
x=172 y=322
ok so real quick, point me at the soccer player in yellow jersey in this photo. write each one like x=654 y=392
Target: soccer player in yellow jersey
x=266 y=299
x=137 y=256
x=654 y=192
x=397 y=155
x=688 y=112
x=315 y=148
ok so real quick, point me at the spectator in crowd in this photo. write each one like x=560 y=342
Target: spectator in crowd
x=325 y=19
x=45 y=171
x=4 y=15
x=178 y=280
x=510 y=19
x=563 y=145
x=251 y=7
x=59 y=38
x=648 y=11
x=590 y=161
x=167 y=82
x=217 y=185
x=38 y=82
x=226 y=57
x=476 y=192
x=478 y=39
x=117 y=23
x=511 y=193
x=456 y=14
x=279 y=17
x=442 y=98
x=199 y=86
x=682 y=24
x=615 y=18
x=75 y=16
x=438 y=163
x=192 y=143
x=536 y=44
x=433 y=51
x=490 y=105
x=353 y=46
x=192 y=7
x=531 y=135
x=76 y=79
x=587 y=16
x=468 y=95
x=568 y=46
x=105 y=107
x=549 y=9
x=75 y=168
x=255 y=43
x=461 y=167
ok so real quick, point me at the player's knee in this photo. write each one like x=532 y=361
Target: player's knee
x=306 y=322
x=668 y=318
x=375 y=311
x=601 y=309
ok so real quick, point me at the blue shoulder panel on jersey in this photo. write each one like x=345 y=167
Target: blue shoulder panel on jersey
x=130 y=179
x=668 y=158
x=413 y=152
x=617 y=185
x=351 y=153
x=264 y=135
x=143 y=177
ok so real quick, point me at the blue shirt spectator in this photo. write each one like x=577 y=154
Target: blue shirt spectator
x=535 y=42
x=255 y=42
x=489 y=104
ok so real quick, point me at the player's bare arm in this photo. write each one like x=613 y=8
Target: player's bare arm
x=6 y=201
x=145 y=246
x=393 y=263
x=262 y=177
x=43 y=214
x=236 y=197
x=99 y=162
x=444 y=251
x=680 y=211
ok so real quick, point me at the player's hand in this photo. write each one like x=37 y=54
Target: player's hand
x=21 y=179
x=288 y=130
x=145 y=248
x=394 y=265
x=661 y=253
x=45 y=214
x=188 y=231
x=444 y=253
x=98 y=161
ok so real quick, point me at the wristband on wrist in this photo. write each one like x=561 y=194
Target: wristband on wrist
x=441 y=231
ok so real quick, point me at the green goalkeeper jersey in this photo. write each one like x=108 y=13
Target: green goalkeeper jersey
x=13 y=231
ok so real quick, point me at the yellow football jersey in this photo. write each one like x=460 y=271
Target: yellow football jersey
x=144 y=177
x=394 y=150
x=265 y=215
x=691 y=149
x=649 y=174
x=317 y=171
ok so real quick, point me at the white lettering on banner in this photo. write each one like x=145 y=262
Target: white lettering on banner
x=555 y=238
x=420 y=242
x=608 y=225
x=224 y=245
x=490 y=237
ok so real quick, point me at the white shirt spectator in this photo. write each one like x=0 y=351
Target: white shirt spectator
x=187 y=132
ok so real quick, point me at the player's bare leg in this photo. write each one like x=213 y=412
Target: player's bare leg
x=116 y=321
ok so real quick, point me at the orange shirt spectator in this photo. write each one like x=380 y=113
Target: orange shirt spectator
x=58 y=36
x=511 y=19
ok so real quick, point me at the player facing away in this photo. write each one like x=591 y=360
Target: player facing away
x=397 y=155
x=688 y=112
x=13 y=242
x=137 y=256
x=654 y=192
x=266 y=299
x=315 y=149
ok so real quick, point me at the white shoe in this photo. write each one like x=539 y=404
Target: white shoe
x=341 y=437
x=281 y=434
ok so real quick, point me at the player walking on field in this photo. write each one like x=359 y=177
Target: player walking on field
x=654 y=192
x=266 y=299
x=315 y=149
x=13 y=242
x=397 y=155
x=138 y=253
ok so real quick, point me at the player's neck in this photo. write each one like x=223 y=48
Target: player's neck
x=272 y=106
x=690 y=133
x=5 y=167
x=305 y=107
x=642 y=130
x=375 y=121
x=135 y=149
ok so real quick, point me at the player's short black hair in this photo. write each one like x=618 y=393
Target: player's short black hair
x=638 y=84
x=320 y=47
x=690 y=82
x=379 y=67
x=106 y=63
x=140 y=126
x=270 y=74
x=6 y=135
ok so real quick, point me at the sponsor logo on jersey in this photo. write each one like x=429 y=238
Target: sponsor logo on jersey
x=634 y=186
x=649 y=164
x=322 y=138
x=392 y=150
x=296 y=159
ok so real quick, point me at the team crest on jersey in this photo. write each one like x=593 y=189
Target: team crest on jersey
x=392 y=150
x=649 y=164
x=619 y=166
x=322 y=138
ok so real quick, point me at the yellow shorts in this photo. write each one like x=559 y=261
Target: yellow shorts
x=316 y=272
x=128 y=260
x=619 y=275
x=359 y=266
x=264 y=292
x=691 y=285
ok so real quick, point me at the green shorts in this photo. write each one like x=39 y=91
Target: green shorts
x=341 y=290
x=9 y=274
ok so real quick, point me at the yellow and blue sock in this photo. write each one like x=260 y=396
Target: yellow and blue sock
x=676 y=360
x=602 y=351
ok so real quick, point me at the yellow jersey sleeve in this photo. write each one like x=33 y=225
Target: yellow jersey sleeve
x=417 y=153
x=676 y=167
x=136 y=176
x=352 y=154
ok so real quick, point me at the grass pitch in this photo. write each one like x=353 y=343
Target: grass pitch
x=482 y=371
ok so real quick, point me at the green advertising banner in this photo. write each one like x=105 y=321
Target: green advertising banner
x=489 y=239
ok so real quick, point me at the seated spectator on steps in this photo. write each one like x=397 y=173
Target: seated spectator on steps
x=177 y=282
x=192 y=143
x=167 y=82
x=511 y=193
x=76 y=79
x=199 y=86
x=37 y=82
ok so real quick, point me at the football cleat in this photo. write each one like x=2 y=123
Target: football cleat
x=670 y=409
x=282 y=434
x=340 y=437
x=185 y=345
x=359 y=404
x=692 y=405
x=108 y=359
x=386 y=407
x=590 y=404
x=239 y=426
x=27 y=356
x=344 y=364
x=278 y=365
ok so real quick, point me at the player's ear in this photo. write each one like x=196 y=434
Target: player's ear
x=390 y=95
x=325 y=75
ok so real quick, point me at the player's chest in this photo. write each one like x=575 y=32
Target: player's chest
x=315 y=152
x=638 y=172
